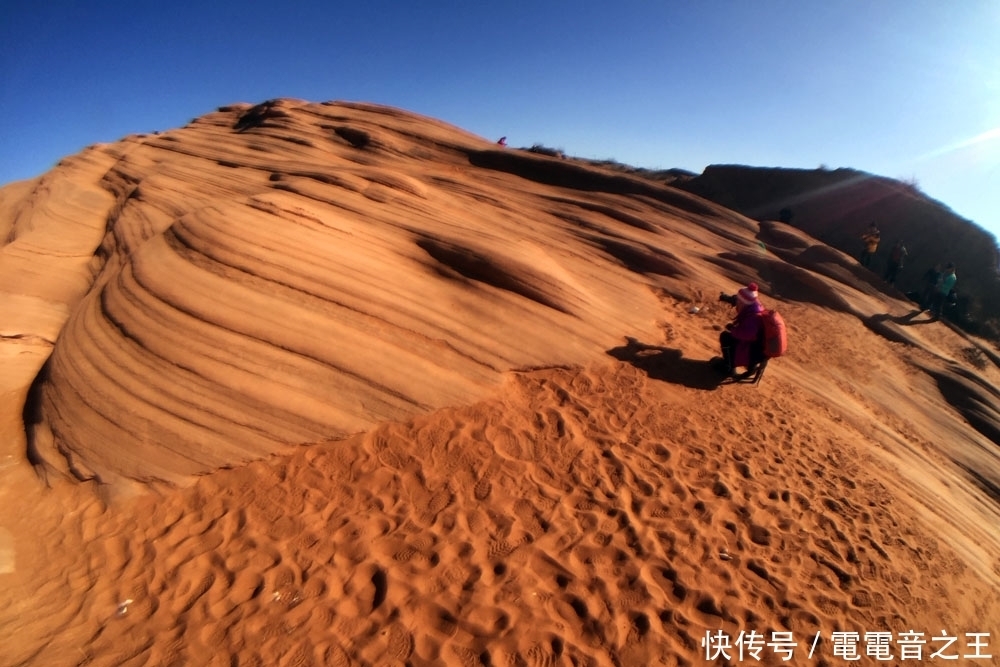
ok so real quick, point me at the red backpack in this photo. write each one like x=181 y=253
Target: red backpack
x=775 y=334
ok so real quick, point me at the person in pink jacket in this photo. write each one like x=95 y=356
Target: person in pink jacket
x=741 y=341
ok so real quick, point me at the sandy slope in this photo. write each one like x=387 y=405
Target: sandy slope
x=351 y=386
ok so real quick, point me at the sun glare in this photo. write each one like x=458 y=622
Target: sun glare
x=980 y=140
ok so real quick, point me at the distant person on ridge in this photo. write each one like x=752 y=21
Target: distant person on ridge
x=741 y=342
x=943 y=290
x=895 y=262
x=502 y=141
x=871 y=240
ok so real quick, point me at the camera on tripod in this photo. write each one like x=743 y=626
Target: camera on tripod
x=728 y=298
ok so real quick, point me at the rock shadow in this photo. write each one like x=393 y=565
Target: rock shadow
x=973 y=396
x=668 y=364
x=887 y=325
x=987 y=486
x=910 y=318
x=259 y=115
x=31 y=413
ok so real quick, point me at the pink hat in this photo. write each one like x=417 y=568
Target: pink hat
x=747 y=295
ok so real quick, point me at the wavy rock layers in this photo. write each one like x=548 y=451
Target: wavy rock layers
x=296 y=272
x=50 y=227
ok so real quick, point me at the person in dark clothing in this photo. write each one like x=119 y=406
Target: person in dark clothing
x=943 y=290
x=931 y=278
x=895 y=263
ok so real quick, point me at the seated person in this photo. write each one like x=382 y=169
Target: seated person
x=742 y=341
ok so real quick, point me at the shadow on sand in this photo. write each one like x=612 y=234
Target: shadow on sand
x=909 y=319
x=669 y=365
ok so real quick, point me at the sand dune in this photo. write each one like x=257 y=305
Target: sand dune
x=337 y=384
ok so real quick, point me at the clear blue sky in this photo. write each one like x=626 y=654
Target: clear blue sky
x=901 y=88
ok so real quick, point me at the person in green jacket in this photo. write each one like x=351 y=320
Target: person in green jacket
x=943 y=289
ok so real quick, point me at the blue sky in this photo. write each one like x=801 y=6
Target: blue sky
x=908 y=89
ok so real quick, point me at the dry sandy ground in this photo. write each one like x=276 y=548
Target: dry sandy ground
x=335 y=384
